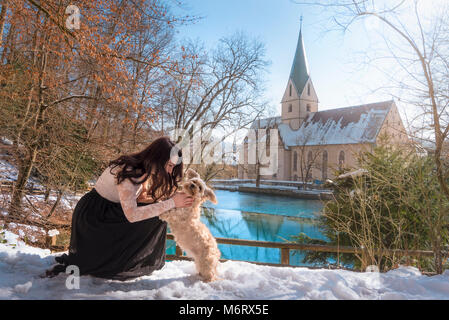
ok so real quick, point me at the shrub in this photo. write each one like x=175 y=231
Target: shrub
x=394 y=202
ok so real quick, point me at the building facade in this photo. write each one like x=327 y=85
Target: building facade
x=313 y=144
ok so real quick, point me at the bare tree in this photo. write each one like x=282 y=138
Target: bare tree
x=418 y=47
x=215 y=95
x=69 y=96
x=308 y=156
x=418 y=51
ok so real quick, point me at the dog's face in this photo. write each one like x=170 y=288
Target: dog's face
x=196 y=187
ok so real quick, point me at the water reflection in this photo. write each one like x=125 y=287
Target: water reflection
x=259 y=217
x=270 y=204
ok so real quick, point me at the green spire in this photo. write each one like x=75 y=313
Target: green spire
x=300 y=68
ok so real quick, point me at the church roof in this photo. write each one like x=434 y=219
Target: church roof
x=266 y=123
x=350 y=125
x=299 y=73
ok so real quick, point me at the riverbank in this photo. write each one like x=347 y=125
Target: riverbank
x=272 y=187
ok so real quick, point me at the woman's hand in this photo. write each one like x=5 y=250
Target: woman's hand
x=182 y=200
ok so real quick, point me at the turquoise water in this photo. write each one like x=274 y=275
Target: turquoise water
x=251 y=216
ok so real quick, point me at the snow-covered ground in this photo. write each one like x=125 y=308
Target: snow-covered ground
x=21 y=265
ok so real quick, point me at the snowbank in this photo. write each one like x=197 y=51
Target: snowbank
x=20 y=268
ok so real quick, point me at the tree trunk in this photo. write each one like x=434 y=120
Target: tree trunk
x=3 y=19
x=257 y=155
x=58 y=199
x=437 y=254
x=19 y=186
x=26 y=166
x=47 y=194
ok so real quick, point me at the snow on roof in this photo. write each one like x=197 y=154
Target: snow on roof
x=267 y=123
x=356 y=124
x=356 y=173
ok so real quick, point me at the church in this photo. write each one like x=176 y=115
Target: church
x=312 y=145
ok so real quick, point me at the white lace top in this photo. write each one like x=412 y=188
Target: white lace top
x=127 y=193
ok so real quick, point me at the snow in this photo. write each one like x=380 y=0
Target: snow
x=6 y=141
x=349 y=125
x=7 y=171
x=21 y=265
x=271 y=182
x=331 y=132
x=53 y=232
x=355 y=173
x=267 y=123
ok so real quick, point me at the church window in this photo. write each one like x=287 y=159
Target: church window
x=308 y=89
x=324 y=166
x=290 y=108
x=290 y=90
x=309 y=165
x=295 y=161
x=308 y=108
x=341 y=160
x=267 y=142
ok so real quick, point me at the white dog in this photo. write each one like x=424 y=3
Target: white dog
x=190 y=233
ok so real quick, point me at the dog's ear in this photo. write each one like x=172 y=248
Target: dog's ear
x=210 y=195
x=190 y=173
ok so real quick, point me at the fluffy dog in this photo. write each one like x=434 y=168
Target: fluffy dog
x=190 y=233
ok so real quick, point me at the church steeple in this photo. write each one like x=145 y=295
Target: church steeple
x=300 y=98
x=299 y=73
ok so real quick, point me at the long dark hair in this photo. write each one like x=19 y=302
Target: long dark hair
x=140 y=164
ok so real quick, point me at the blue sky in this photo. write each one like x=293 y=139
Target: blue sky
x=339 y=79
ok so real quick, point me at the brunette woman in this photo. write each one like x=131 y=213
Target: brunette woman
x=116 y=232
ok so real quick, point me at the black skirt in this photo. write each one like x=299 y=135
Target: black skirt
x=104 y=244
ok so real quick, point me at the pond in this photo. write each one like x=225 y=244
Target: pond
x=252 y=216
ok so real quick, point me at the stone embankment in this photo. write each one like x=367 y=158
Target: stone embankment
x=273 y=187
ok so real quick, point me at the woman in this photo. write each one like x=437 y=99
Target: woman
x=115 y=237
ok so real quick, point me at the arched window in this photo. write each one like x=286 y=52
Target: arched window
x=290 y=108
x=267 y=142
x=295 y=161
x=341 y=160
x=324 y=166
x=290 y=90
x=245 y=151
x=308 y=89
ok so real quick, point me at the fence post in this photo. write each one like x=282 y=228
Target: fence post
x=178 y=251
x=49 y=240
x=285 y=256
x=364 y=262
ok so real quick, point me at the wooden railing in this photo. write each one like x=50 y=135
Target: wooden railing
x=285 y=248
x=7 y=185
